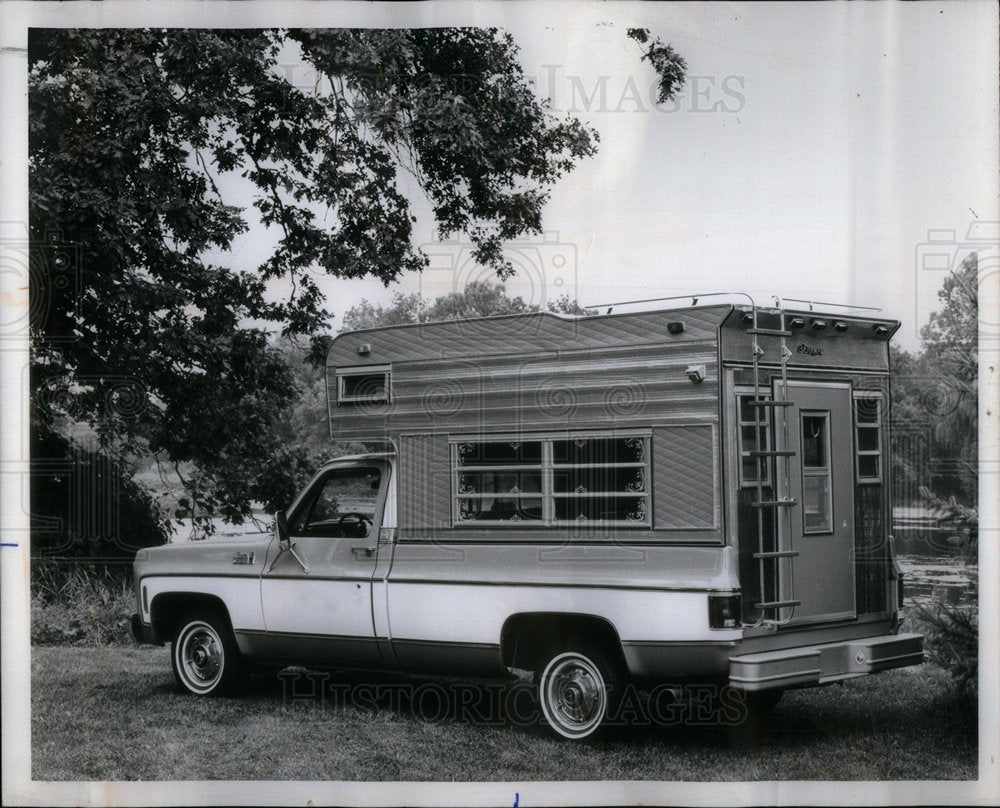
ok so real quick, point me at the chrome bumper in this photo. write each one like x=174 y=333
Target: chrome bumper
x=820 y=664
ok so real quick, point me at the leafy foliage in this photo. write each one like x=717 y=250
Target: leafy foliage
x=935 y=398
x=937 y=391
x=85 y=503
x=478 y=299
x=951 y=639
x=80 y=605
x=136 y=331
x=668 y=64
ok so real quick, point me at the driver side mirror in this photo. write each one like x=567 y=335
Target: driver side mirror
x=281 y=528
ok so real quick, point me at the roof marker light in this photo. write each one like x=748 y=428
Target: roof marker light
x=818 y=325
x=840 y=326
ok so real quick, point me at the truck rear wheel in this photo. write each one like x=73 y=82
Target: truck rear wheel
x=577 y=690
x=204 y=655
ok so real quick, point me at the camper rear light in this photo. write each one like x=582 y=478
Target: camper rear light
x=724 y=611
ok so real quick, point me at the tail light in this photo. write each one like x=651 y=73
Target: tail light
x=725 y=611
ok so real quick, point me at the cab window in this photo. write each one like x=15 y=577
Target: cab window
x=341 y=505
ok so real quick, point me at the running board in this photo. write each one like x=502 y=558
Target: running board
x=822 y=664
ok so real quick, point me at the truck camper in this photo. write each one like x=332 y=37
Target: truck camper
x=697 y=492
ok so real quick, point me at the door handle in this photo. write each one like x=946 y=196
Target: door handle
x=363 y=553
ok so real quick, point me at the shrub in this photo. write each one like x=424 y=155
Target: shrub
x=951 y=640
x=74 y=604
x=951 y=631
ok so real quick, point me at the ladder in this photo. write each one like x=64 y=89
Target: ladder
x=774 y=565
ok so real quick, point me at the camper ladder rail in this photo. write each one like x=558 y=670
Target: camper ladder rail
x=775 y=565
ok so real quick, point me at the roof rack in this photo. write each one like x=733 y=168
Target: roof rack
x=812 y=303
x=694 y=298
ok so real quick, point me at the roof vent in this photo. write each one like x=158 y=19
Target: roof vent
x=365 y=348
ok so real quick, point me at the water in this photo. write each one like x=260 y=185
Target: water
x=945 y=578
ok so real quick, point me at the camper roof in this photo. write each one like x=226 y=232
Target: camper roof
x=544 y=332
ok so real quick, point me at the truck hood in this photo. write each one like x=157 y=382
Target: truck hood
x=241 y=554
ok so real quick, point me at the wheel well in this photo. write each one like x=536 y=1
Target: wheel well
x=168 y=608
x=525 y=637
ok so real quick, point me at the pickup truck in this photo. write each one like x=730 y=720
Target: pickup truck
x=667 y=497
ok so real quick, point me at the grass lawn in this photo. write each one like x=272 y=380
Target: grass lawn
x=115 y=714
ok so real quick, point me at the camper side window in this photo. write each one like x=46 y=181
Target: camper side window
x=363 y=384
x=867 y=437
x=753 y=421
x=552 y=481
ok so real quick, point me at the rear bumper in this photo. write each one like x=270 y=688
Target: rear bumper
x=829 y=662
x=142 y=632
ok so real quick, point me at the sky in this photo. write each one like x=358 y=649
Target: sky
x=837 y=152
x=844 y=153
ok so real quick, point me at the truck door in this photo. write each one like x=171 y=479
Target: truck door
x=317 y=601
x=821 y=482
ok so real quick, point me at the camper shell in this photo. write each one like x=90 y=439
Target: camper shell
x=723 y=450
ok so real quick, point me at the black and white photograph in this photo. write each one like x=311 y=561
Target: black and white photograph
x=499 y=403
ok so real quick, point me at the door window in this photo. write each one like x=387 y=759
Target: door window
x=343 y=505
x=817 y=500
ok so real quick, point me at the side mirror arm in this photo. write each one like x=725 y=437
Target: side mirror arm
x=285 y=542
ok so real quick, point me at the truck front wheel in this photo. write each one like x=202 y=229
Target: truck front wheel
x=204 y=655
x=577 y=691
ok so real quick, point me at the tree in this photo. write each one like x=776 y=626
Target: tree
x=935 y=397
x=131 y=132
x=478 y=299
x=951 y=347
x=938 y=388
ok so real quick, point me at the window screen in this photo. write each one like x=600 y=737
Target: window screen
x=581 y=479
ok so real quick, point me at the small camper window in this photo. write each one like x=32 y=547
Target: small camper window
x=817 y=499
x=868 y=437
x=753 y=420
x=366 y=384
x=552 y=481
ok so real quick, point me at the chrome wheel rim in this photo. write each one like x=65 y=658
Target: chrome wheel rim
x=201 y=657
x=574 y=695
